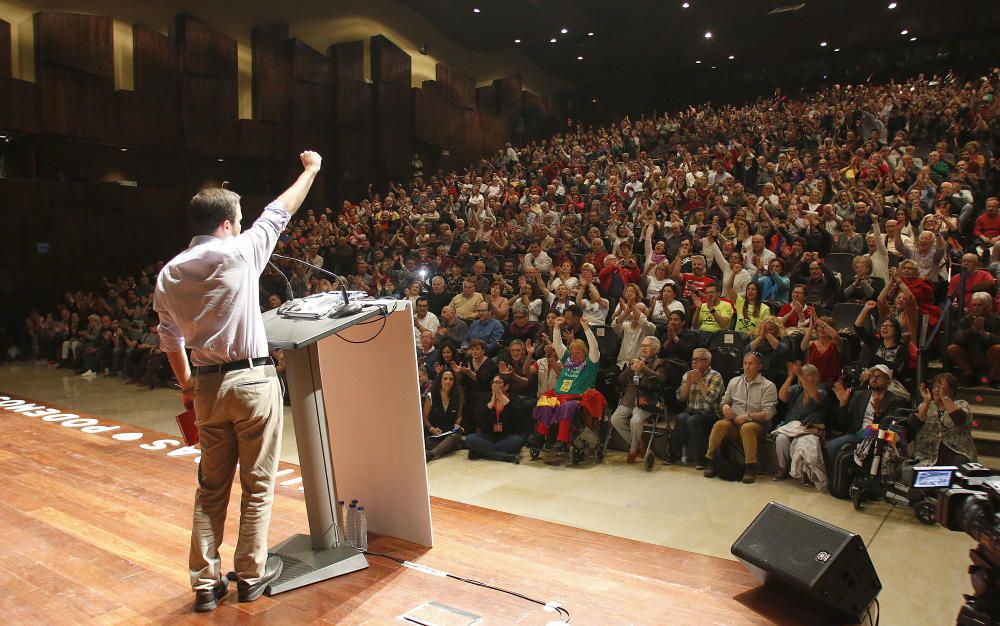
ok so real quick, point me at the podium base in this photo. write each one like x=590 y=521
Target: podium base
x=304 y=566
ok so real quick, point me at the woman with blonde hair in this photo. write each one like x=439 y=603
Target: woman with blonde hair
x=773 y=347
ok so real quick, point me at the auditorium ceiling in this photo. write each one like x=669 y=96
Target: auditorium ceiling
x=598 y=39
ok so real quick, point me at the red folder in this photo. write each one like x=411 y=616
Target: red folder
x=185 y=421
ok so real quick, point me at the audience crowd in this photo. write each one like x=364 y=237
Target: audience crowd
x=779 y=269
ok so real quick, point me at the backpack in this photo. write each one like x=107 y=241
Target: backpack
x=729 y=461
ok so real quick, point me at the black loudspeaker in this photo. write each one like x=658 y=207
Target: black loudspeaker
x=829 y=564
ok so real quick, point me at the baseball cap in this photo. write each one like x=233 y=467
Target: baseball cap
x=884 y=369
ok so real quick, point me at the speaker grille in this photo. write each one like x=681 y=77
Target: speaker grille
x=796 y=547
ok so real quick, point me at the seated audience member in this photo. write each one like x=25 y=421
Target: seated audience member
x=749 y=403
x=520 y=326
x=498 y=433
x=945 y=425
x=773 y=348
x=700 y=390
x=796 y=313
x=427 y=352
x=499 y=304
x=976 y=346
x=750 y=309
x=466 y=303
x=448 y=358
x=516 y=368
x=712 y=315
x=632 y=327
x=798 y=439
x=423 y=319
x=475 y=375
x=774 y=286
x=864 y=286
x=820 y=284
x=971 y=279
x=438 y=297
x=578 y=375
x=678 y=342
x=927 y=254
x=695 y=282
x=594 y=306
x=546 y=370
x=923 y=292
x=821 y=346
x=442 y=414
x=666 y=303
x=888 y=348
x=986 y=231
x=451 y=328
x=863 y=408
x=485 y=328
x=641 y=383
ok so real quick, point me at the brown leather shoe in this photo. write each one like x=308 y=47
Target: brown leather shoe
x=709 y=471
x=750 y=474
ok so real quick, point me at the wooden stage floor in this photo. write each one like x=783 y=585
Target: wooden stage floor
x=95 y=526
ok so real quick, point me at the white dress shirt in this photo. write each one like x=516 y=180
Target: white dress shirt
x=208 y=297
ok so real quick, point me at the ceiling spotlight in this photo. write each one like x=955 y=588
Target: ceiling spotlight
x=913 y=38
x=124 y=149
x=731 y=57
x=553 y=40
x=475 y=10
x=892 y=5
x=221 y=160
x=579 y=58
x=564 y=30
x=822 y=44
x=714 y=68
x=591 y=34
x=686 y=5
x=517 y=41
x=708 y=34
x=594 y=100
x=904 y=32
x=836 y=49
x=698 y=62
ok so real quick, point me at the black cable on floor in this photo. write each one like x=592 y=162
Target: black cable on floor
x=563 y=613
x=881 y=524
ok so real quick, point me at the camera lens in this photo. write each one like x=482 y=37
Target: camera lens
x=973 y=514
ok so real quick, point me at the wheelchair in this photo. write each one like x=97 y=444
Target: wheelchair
x=589 y=436
x=884 y=475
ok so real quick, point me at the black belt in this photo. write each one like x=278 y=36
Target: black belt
x=232 y=366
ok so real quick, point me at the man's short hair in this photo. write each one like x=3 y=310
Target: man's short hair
x=574 y=309
x=423 y=299
x=703 y=352
x=211 y=207
x=983 y=298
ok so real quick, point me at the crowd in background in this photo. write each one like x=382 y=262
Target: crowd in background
x=753 y=223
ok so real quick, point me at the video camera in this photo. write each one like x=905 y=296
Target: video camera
x=970 y=503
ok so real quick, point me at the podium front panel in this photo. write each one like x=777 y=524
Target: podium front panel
x=374 y=414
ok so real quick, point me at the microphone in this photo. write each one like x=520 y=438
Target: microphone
x=349 y=308
x=290 y=295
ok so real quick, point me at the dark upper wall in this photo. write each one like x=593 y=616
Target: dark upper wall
x=70 y=127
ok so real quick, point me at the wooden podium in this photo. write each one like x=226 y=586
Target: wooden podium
x=357 y=417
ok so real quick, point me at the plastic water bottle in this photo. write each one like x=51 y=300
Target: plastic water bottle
x=352 y=525
x=362 y=529
x=341 y=522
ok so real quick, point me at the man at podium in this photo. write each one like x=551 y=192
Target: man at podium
x=208 y=299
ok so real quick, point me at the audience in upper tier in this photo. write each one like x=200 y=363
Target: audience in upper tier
x=828 y=244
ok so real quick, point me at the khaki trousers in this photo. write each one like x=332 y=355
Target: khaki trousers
x=749 y=434
x=239 y=418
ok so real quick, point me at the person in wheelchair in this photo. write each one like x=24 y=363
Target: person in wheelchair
x=579 y=374
x=863 y=407
x=701 y=389
x=641 y=381
x=943 y=424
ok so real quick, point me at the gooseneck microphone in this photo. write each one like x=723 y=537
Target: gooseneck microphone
x=349 y=308
x=289 y=294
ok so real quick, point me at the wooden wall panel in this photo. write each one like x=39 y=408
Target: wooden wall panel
x=394 y=132
x=209 y=114
x=75 y=104
x=390 y=65
x=488 y=99
x=5 y=50
x=204 y=51
x=155 y=63
x=264 y=140
x=79 y=42
x=310 y=65
x=509 y=92
x=18 y=105
x=353 y=149
x=348 y=60
x=271 y=82
x=150 y=114
x=459 y=89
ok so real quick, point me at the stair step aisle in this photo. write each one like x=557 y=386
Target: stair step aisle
x=985 y=404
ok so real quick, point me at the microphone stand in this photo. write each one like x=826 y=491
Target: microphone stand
x=349 y=308
x=289 y=294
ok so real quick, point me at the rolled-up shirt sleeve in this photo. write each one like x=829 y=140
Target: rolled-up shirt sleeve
x=769 y=401
x=257 y=242
x=171 y=338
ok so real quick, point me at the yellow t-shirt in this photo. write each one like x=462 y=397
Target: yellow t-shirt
x=464 y=307
x=708 y=322
x=748 y=324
